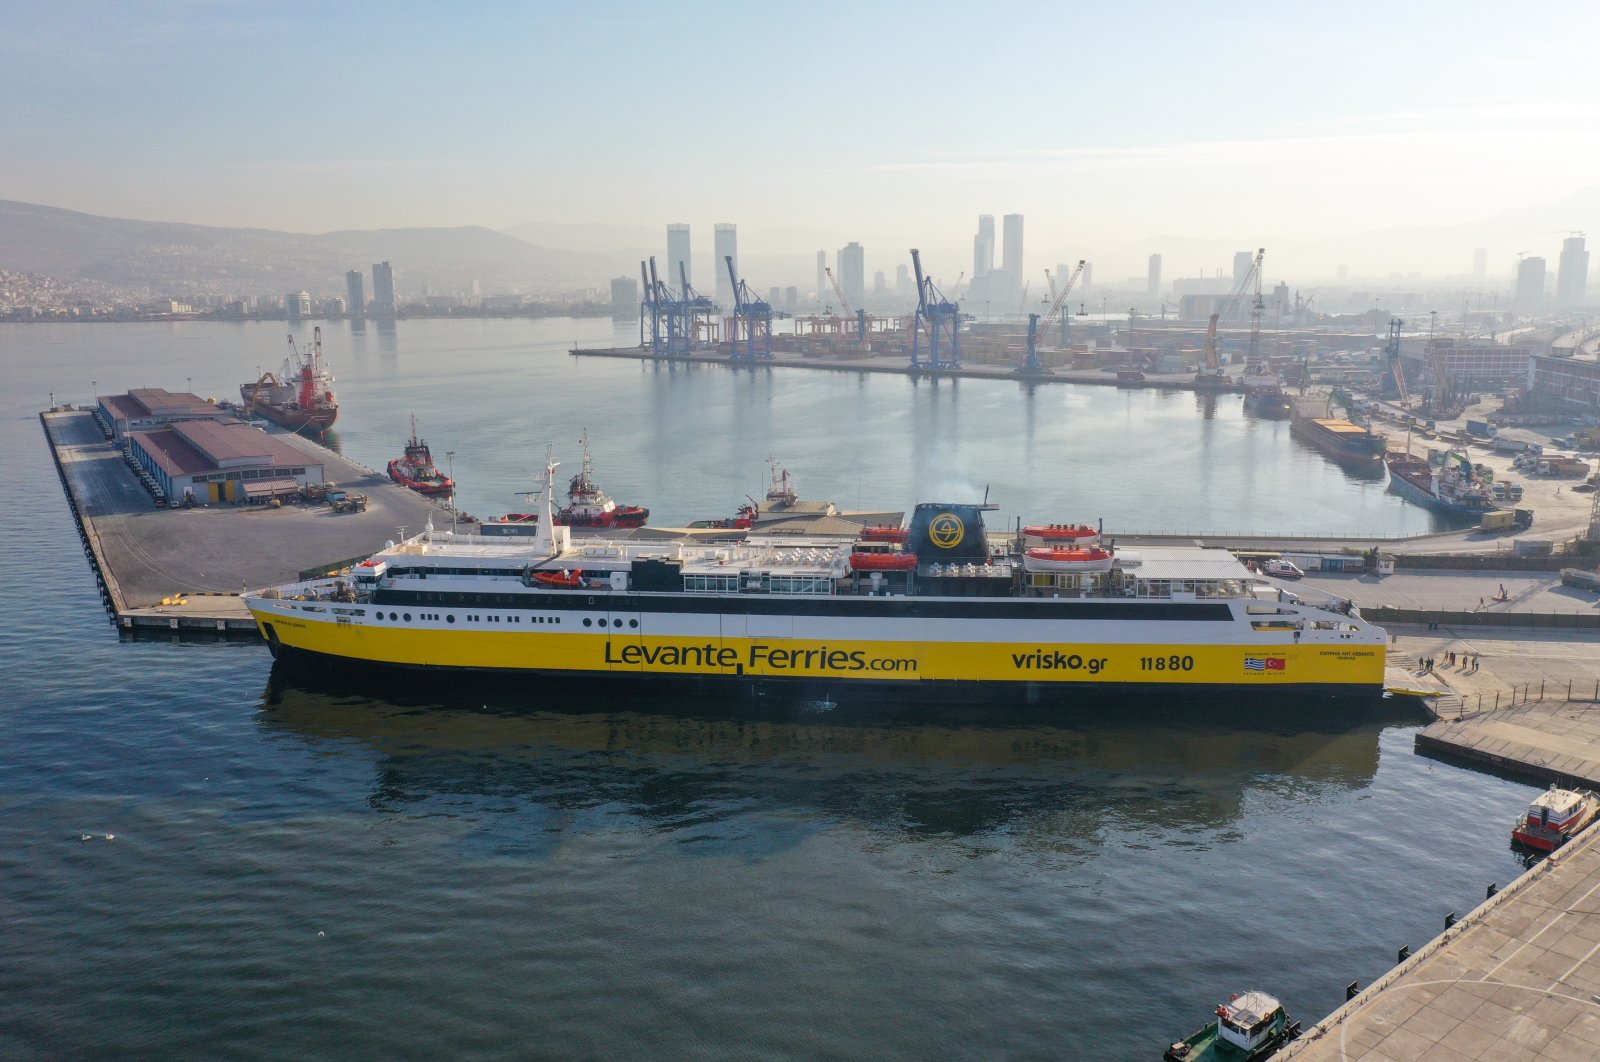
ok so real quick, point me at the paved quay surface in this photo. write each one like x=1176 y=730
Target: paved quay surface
x=1516 y=979
x=154 y=554
x=1456 y=591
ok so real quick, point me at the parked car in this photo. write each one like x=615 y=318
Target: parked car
x=1282 y=569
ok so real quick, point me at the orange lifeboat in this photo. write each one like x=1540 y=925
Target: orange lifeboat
x=1070 y=535
x=881 y=557
x=884 y=534
x=562 y=580
x=1090 y=559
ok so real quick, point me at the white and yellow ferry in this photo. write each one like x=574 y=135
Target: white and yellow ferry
x=967 y=617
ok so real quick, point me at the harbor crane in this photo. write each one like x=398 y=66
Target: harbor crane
x=752 y=319
x=1032 y=366
x=669 y=337
x=941 y=318
x=1211 y=377
x=844 y=304
x=1392 y=352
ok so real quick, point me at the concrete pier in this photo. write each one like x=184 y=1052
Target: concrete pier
x=182 y=569
x=1516 y=979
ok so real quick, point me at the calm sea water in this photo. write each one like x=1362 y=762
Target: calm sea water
x=335 y=870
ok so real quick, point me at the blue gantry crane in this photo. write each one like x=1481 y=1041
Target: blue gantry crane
x=671 y=331
x=752 y=320
x=941 y=318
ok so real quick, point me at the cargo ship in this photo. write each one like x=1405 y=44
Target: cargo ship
x=1454 y=487
x=946 y=615
x=1264 y=395
x=416 y=469
x=1343 y=440
x=300 y=396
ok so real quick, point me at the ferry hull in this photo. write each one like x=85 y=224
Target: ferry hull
x=1025 y=670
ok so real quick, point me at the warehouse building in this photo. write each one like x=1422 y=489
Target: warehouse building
x=149 y=407
x=222 y=461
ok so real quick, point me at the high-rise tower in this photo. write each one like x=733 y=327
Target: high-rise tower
x=383 y=303
x=355 y=289
x=1153 y=277
x=1572 y=276
x=1012 y=253
x=725 y=240
x=678 y=254
x=983 y=246
x=853 y=273
x=1530 y=284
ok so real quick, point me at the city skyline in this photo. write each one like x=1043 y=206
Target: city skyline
x=1321 y=156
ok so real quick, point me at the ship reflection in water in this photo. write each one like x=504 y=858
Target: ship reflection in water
x=1071 y=783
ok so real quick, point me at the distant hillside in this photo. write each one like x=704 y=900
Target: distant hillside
x=177 y=258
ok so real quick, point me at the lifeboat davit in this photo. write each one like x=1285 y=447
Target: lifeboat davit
x=884 y=534
x=882 y=561
x=1046 y=559
x=563 y=579
x=1071 y=535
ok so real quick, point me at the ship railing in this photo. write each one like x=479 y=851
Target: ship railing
x=335 y=589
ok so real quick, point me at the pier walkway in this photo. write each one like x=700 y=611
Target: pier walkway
x=1516 y=979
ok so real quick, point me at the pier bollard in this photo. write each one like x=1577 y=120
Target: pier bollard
x=1403 y=954
x=1494 y=887
x=1350 y=990
x=1450 y=920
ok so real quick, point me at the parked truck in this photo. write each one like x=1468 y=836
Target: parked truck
x=1503 y=445
x=1563 y=466
x=1581 y=579
x=1481 y=428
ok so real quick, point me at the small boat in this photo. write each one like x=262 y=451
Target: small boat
x=1061 y=535
x=884 y=534
x=1249 y=1027
x=1046 y=559
x=739 y=521
x=881 y=557
x=1554 y=817
x=416 y=469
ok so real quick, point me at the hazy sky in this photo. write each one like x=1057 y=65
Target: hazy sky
x=816 y=123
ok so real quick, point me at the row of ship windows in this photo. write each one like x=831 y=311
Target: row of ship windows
x=405 y=617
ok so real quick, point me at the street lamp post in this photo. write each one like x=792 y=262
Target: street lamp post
x=450 y=460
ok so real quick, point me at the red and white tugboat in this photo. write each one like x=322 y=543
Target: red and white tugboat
x=588 y=506
x=417 y=470
x=1554 y=817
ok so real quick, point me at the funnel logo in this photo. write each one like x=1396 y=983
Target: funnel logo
x=946 y=531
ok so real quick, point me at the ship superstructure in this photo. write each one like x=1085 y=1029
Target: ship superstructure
x=795 y=610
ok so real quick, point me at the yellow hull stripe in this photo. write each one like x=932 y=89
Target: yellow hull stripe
x=1333 y=664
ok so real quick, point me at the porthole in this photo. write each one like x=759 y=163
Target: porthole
x=394 y=616
x=408 y=616
x=587 y=622
x=450 y=618
x=633 y=623
x=616 y=623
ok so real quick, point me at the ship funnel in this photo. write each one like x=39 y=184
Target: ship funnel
x=946 y=532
